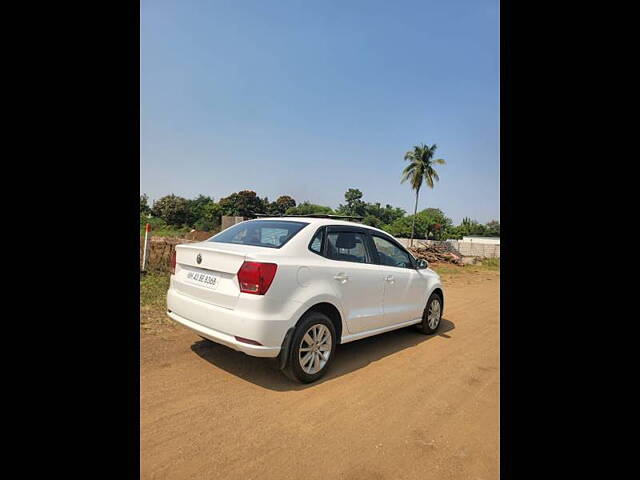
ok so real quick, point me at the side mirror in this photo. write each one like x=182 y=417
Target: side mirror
x=421 y=264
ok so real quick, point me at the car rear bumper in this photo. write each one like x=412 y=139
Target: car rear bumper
x=223 y=325
x=224 y=339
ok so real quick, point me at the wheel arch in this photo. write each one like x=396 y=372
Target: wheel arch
x=331 y=311
x=323 y=306
x=438 y=290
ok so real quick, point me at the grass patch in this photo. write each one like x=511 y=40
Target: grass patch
x=491 y=263
x=153 y=298
x=153 y=289
x=160 y=228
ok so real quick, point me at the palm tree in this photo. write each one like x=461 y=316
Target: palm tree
x=420 y=168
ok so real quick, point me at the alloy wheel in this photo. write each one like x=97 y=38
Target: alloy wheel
x=433 y=316
x=315 y=348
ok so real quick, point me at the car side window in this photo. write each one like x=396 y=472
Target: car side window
x=390 y=254
x=316 y=242
x=347 y=247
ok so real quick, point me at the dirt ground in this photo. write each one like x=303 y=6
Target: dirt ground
x=396 y=406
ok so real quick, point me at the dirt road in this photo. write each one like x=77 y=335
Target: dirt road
x=395 y=406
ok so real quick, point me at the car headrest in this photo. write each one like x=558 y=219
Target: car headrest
x=346 y=240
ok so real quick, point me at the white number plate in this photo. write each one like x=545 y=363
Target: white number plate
x=204 y=279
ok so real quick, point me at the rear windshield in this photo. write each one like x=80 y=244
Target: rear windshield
x=261 y=233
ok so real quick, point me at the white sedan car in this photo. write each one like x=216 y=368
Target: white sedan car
x=296 y=287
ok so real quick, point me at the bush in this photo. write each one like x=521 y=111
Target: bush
x=491 y=263
x=156 y=223
x=206 y=225
x=159 y=228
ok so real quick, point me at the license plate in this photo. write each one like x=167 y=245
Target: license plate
x=204 y=279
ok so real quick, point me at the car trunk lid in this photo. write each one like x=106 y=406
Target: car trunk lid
x=208 y=272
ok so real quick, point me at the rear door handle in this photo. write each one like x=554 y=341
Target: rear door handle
x=389 y=278
x=341 y=277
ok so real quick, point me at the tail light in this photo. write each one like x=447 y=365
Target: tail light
x=256 y=277
x=173 y=262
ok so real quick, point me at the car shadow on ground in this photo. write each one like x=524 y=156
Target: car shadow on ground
x=349 y=357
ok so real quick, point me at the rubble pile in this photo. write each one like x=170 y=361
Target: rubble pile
x=435 y=253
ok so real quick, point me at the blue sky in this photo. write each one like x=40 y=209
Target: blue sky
x=311 y=98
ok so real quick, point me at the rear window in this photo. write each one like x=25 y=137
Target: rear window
x=260 y=233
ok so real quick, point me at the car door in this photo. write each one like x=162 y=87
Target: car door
x=356 y=277
x=404 y=286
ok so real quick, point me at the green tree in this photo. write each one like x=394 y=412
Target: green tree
x=172 y=209
x=471 y=227
x=493 y=228
x=423 y=224
x=385 y=216
x=285 y=202
x=372 y=221
x=210 y=217
x=420 y=168
x=281 y=205
x=243 y=204
x=307 y=208
x=196 y=209
x=373 y=214
x=144 y=205
x=354 y=205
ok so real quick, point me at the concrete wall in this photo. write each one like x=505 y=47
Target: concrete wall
x=472 y=249
x=406 y=241
x=484 y=240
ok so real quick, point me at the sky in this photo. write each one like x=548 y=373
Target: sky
x=308 y=99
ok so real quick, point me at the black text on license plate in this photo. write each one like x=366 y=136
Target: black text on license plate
x=203 y=278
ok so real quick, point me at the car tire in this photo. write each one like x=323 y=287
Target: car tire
x=432 y=315
x=312 y=348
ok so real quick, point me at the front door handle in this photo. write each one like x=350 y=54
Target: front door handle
x=341 y=277
x=389 y=278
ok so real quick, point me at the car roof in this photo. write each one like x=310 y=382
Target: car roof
x=319 y=221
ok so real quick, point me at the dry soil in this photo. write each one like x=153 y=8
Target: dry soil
x=395 y=406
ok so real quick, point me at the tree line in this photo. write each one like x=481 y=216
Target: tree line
x=204 y=213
